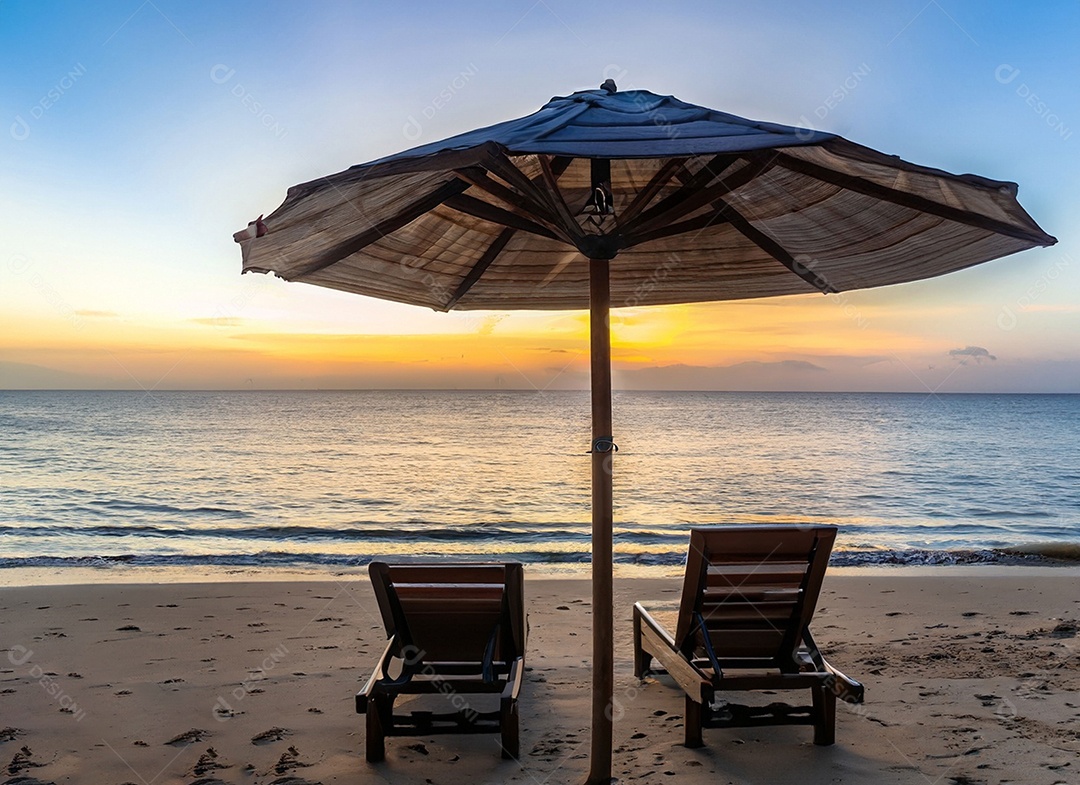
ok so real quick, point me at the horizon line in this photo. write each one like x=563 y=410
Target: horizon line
x=519 y=390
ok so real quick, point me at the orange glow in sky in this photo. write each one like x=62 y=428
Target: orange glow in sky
x=128 y=165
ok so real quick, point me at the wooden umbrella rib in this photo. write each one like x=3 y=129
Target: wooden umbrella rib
x=698 y=223
x=666 y=209
x=486 y=211
x=777 y=251
x=695 y=197
x=550 y=182
x=642 y=198
x=360 y=241
x=529 y=186
x=911 y=201
x=522 y=204
x=480 y=267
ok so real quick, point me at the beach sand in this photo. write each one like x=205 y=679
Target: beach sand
x=971 y=677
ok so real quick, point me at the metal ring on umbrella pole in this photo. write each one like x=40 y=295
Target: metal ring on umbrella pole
x=604 y=444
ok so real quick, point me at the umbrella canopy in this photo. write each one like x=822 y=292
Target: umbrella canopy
x=606 y=198
x=726 y=208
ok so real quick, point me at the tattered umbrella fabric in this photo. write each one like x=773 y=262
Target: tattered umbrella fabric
x=724 y=208
x=606 y=198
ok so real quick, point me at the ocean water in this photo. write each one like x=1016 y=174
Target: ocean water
x=334 y=479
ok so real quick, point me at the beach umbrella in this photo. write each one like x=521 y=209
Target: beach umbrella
x=606 y=199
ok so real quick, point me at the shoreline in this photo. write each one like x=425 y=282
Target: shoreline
x=12 y=577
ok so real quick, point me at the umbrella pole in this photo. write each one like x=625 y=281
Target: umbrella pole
x=603 y=627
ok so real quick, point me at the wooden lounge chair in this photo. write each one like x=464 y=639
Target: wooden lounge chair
x=743 y=624
x=456 y=630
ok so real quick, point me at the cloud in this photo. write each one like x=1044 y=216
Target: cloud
x=977 y=353
x=97 y=314
x=487 y=326
x=219 y=321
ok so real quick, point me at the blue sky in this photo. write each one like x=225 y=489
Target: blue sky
x=137 y=136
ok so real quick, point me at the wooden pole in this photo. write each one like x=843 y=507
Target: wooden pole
x=602 y=454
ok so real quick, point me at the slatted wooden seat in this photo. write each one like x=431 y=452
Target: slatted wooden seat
x=743 y=624
x=454 y=629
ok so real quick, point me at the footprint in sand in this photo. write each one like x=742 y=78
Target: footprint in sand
x=268 y=736
x=208 y=762
x=21 y=762
x=188 y=737
x=290 y=759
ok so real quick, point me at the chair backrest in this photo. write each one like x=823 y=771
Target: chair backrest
x=448 y=612
x=752 y=590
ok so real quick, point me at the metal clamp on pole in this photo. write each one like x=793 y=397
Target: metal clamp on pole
x=604 y=444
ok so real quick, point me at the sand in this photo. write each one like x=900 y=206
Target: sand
x=971 y=677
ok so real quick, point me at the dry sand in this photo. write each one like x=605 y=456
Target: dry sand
x=970 y=678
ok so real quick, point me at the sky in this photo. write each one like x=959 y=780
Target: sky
x=138 y=135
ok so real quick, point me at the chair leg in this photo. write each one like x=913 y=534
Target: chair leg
x=379 y=709
x=508 y=724
x=692 y=720
x=642 y=659
x=824 y=715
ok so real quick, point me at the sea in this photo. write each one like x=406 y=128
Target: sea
x=326 y=481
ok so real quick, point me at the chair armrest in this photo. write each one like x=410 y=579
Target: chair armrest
x=642 y=616
x=659 y=643
x=844 y=687
x=376 y=675
x=514 y=679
